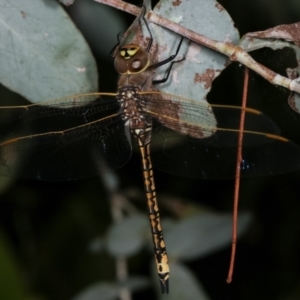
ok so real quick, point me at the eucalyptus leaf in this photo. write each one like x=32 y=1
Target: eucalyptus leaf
x=43 y=55
x=127 y=237
x=279 y=37
x=191 y=78
x=202 y=234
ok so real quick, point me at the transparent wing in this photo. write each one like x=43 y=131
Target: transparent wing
x=64 y=139
x=73 y=137
x=200 y=140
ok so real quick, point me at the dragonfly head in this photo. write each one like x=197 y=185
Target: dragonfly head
x=131 y=59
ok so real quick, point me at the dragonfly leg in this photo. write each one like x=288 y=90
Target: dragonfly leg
x=149 y=31
x=171 y=65
x=165 y=61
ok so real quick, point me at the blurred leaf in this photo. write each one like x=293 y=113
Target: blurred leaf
x=44 y=56
x=11 y=284
x=202 y=234
x=67 y=2
x=96 y=245
x=89 y=15
x=35 y=297
x=110 y=291
x=135 y=283
x=183 y=284
x=5 y=182
x=103 y=291
x=127 y=237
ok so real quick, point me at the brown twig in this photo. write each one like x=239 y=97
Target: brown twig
x=239 y=160
x=234 y=52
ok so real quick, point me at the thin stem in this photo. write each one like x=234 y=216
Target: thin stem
x=110 y=182
x=239 y=160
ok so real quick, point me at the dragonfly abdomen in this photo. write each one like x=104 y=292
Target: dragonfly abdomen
x=143 y=137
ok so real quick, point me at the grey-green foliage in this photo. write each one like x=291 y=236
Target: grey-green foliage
x=192 y=78
x=43 y=55
x=190 y=238
x=276 y=38
x=183 y=284
x=67 y=2
x=110 y=291
x=187 y=239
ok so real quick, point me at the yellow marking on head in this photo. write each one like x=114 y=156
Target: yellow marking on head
x=128 y=53
x=132 y=51
x=122 y=53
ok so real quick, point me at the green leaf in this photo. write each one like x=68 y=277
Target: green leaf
x=43 y=55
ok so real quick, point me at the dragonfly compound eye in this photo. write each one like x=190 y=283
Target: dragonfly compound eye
x=131 y=59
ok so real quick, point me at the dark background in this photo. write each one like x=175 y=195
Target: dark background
x=48 y=226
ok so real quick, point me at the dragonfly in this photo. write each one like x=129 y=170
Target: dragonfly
x=68 y=138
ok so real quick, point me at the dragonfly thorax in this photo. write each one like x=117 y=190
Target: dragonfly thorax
x=141 y=81
x=133 y=108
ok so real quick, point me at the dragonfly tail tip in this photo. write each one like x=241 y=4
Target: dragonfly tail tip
x=164 y=284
